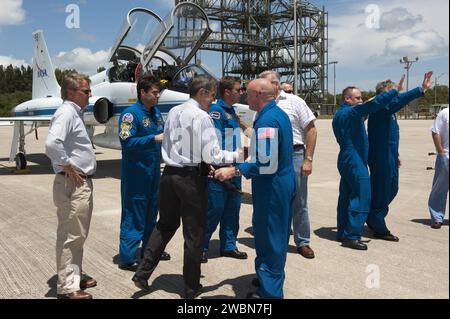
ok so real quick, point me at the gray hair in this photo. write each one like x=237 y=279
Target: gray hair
x=382 y=86
x=265 y=74
x=202 y=82
x=72 y=81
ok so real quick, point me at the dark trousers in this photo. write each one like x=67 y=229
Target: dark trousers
x=183 y=195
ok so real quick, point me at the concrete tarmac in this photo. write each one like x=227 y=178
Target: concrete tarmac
x=415 y=267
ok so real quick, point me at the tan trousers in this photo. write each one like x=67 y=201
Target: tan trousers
x=74 y=210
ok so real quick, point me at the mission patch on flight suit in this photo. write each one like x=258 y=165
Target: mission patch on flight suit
x=126 y=126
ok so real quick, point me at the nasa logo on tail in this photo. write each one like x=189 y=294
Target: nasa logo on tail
x=41 y=73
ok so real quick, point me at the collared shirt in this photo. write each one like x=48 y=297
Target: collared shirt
x=299 y=114
x=440 y=126
x=190 y=138
x=68 y=142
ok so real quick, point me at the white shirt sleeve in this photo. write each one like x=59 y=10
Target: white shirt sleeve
x=54 y=145
x=304 y=113
x=210 y=147
x=438 y=124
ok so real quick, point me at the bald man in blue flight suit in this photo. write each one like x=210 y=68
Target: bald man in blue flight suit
x=273 y=187
x=140 y=130
x=354 y=188
x=224 y=200
x=384 y=138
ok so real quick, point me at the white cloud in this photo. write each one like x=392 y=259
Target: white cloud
x=11 y=12
x=398 y=19
x=7 y=60
x=81 y=59
x=425 y=43
x=408 y=28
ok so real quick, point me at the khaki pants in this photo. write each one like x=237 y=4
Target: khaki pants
x=74 y=210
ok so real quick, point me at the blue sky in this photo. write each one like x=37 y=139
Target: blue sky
x=368 y=41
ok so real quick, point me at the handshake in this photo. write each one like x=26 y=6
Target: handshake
x=224 y=173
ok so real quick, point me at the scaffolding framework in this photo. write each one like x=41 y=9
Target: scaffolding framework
x=257 y=35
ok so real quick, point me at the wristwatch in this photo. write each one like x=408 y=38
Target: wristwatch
x=309 y=158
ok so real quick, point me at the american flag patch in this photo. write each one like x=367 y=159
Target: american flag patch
x=266 y=132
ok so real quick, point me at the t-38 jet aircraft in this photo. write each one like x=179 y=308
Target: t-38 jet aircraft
x=146 y=43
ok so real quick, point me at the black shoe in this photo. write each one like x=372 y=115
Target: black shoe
x=165 y=256
x=255 y=282
x=234 y=254
x=129 y=267
x=192 y=293
x=204 y=258
x=140 y=283
x=436 y=225
x=388 y=236
x=253 y=295
x=354 y=244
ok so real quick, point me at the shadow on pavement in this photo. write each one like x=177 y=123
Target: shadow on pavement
x=39 y=164
x=427 y=221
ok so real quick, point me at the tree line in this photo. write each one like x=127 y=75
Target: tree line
x=16 y=86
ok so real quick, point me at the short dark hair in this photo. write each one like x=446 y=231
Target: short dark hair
x=382 y=86
x=347 y=91
x=203 y=81
x=145 y=83
x=227 y=83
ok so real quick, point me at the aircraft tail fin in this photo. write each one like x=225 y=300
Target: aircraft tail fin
x=44 y=79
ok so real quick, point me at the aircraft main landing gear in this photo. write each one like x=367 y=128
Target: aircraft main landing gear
x=21 y=161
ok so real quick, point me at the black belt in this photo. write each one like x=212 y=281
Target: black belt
x=192 y=170
x=81 y=175
x=299 y=147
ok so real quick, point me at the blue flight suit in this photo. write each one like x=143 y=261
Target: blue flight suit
x=223 y=205
x=273 y=189
x=140 y=177
x=384 y=137
x=354 y=189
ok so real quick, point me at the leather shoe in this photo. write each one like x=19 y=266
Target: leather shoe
x=436 y=225
x=141 y=283
x=165 y=256
x=388 y=236
x=87 y=282
x=79 y=294
x=255 y=282
x=234 y=254
x=204 y=258
x=253 y=295
x=129 y=267
x=354 y=244
x=193 y=293
x=306 y=252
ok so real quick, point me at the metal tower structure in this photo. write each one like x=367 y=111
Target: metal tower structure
x=257 y=35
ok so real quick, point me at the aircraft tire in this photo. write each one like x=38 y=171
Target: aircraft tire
x=21 y=161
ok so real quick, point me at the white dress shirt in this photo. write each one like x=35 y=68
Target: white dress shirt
x=68 y=142
x=440 y=126
x=190 y=138
x=299 y=114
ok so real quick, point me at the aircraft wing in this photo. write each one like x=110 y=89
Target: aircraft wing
x=26 y=119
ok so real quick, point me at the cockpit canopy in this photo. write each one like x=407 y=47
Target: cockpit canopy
x=147 y=43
